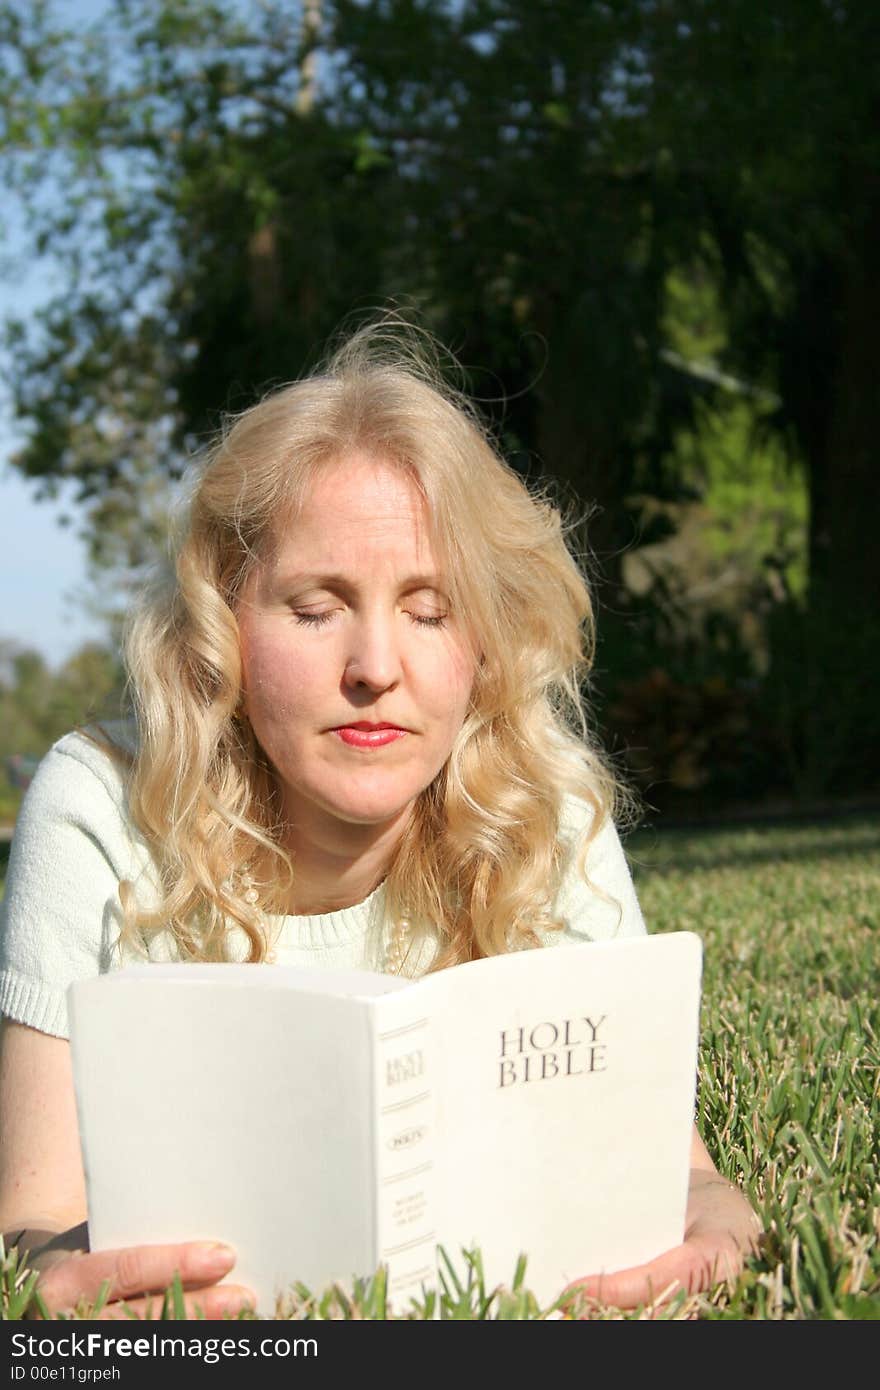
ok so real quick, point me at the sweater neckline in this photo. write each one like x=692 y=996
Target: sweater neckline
x=322 y=929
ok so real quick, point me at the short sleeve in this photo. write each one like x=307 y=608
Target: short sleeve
x=61 y=914
x=601 y=905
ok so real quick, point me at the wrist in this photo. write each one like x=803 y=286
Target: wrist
x=39 y=1249
x=725 y=1197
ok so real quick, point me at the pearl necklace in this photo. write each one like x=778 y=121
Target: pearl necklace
x=397 y=943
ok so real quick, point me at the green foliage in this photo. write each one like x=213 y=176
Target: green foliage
x=817 y=699
x=517 y=172
x=38 y=705
x=17 y=1283
x=462 y=1296
x=752 y=510
x=652 y=227
x=788 y=1101
x=788 y=1096
x=681 y=737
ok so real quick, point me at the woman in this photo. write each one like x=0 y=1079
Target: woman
x=359 y=742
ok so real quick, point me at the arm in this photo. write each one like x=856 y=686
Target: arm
x=43 y=1204
x=69 y=852
x=720 y=1230
x=39 y=1121
x=720 y=1226
x=603 y=905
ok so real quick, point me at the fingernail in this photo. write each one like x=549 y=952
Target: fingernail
x=224 y=1300
x=239 y=1301
x=213 y=1257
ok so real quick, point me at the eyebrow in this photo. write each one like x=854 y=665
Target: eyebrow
x=342 y=581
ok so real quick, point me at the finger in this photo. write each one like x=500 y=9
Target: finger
x=133 y=1271
x=219 y=1301
x=692 y=1267
x=687 y=1267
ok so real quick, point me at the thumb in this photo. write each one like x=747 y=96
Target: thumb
x=654 y=1282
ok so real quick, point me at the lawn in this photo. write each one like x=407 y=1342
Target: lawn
x=789 y=1074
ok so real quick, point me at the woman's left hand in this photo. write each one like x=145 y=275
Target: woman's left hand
x=721 y=1229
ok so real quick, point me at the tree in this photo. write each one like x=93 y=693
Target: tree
x=38 y=705
x=787 y=116
x=260 y=221
x=529 y=174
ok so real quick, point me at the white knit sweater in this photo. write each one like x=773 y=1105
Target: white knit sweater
x=74 y=842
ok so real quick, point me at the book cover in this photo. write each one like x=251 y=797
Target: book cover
x=327 y=1122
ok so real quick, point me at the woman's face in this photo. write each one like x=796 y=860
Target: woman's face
x=344 y=628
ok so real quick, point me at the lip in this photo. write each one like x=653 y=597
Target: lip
x=364 y=735
x=366 y=726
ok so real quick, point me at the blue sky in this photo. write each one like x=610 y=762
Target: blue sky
x=43 y=574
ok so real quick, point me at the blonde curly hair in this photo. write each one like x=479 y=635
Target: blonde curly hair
x=480 y=859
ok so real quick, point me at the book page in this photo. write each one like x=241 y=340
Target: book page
x=566 y=1103
x=348 y=984
x=325 y=1122
x=240 y=1112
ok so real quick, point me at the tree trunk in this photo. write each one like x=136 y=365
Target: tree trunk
x=846 y=506
x=838 y=426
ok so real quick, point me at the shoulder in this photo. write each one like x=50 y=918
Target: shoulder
x=575 y=817
x=577 y=827
x=88 y=763
x=80 y=785
x=71 y=847
x=103 y=750
x=596 y=899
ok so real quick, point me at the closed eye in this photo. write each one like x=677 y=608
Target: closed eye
x=313 y=619
x=318 y=619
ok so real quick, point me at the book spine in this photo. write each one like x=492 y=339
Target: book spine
x=406 y=1149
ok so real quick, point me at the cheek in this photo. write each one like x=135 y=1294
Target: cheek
x=450 y=686
x=278 y=680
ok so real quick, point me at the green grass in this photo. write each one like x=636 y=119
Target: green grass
x=789 y=1071
x=789 y=1064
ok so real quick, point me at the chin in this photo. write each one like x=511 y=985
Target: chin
x=371 y=807
x=372 y=813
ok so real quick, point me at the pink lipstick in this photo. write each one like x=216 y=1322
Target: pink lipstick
x=365 y=735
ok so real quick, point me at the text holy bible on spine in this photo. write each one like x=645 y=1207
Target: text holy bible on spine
x=328 y=1122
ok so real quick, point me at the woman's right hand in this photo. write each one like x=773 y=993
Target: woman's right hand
x=137 y=1278
x=48 y=1198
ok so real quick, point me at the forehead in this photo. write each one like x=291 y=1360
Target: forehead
x=357 y=505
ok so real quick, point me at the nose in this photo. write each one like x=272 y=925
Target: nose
x=373 y=657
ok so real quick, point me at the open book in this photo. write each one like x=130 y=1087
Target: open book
x=328 y=1122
